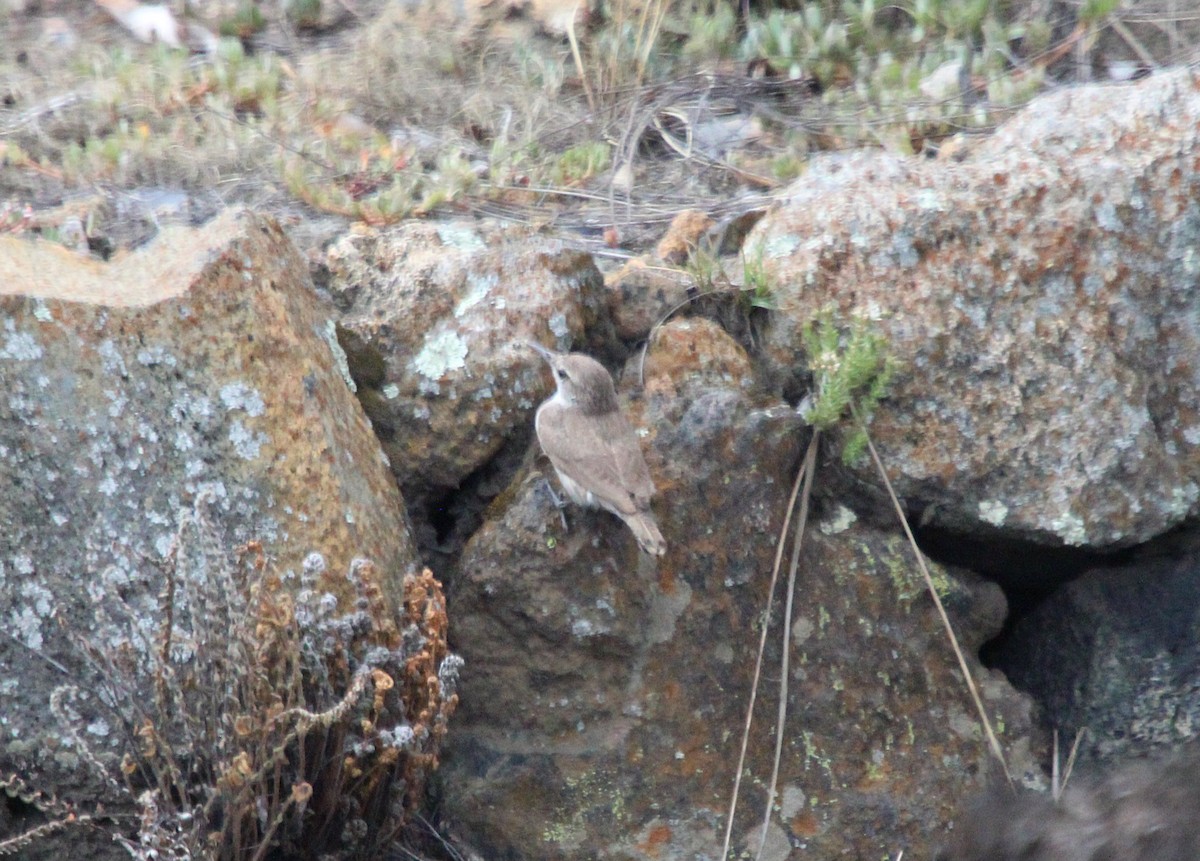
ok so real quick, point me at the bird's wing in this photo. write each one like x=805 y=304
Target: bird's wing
x=603 y=455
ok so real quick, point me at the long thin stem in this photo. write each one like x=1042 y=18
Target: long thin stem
x=574 y=42
x=762 y=645
x=810 y=467
x=962 y=661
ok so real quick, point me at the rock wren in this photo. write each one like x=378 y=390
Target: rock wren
x=593 y=448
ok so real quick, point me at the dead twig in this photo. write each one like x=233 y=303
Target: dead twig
x=762 y=645
x=993 y=744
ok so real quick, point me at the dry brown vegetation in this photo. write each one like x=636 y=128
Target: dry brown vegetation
x=280 y=724
x=618 y=123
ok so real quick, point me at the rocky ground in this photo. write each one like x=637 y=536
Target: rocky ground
x=265 y=296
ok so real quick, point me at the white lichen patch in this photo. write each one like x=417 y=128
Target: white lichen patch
x=802 y=628
x=117 y=402
x=20 y=346
x=791 y=801
x=329 y=335
x=111 y=359
x=841 y=520
x=191 y=406
x=962 y=724
x=1191 y=261
x=1070 y=528
x=391 y=391
x=904 y=251
x=461 y=237
x=559 y=326
x=478 y=289
x=152 y=356
x=993 y=511
x=183 y=441
x=26 y=627
x=245 y=442
x=783 y=245
x=583 y=628
x=930 y=200
x=1182 y=499
x=27 y=621
x=871 y=311
x=239 y=396
x=442 y=352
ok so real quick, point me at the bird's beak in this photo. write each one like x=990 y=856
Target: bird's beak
x=548 y=355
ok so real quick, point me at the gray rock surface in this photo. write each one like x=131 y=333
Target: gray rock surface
x=436 y=316
x=1116 y=652
x=603 y=696
x=203 y=365
x=1040 y=298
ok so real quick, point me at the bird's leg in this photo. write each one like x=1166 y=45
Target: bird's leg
x=559 y=503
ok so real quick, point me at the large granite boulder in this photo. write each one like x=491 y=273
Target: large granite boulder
x=604 y=694
x=199 y=374
x=1041 y=300
x=434 y=319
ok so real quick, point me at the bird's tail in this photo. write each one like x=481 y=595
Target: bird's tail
x=645 y=530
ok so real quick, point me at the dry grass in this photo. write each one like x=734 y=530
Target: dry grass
x=389 y=119
x=260 y=719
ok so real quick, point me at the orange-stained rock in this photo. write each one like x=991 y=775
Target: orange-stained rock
x=202 y=365
x=1040 y=298
x=683 y=236
x=642 y=294
x=693 y=353
x=436 y=317
x=604 y=694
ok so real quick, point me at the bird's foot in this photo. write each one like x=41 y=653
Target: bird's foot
x=559 y=503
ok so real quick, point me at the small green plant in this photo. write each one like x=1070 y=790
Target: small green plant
x=712 y=33
x=801 y=42
x=706 y=269
x=851 y=372
x=626 y=49
x=581 y=162
x=758 y=287
x=244 y=23
x=787 y=166
x=304 y=14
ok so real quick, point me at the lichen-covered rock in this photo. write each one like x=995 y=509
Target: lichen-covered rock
x=604 y=693
x=435 y=319
x=641 y=295
x=1040 y=298
x=202 y=366
x=1115 y=652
